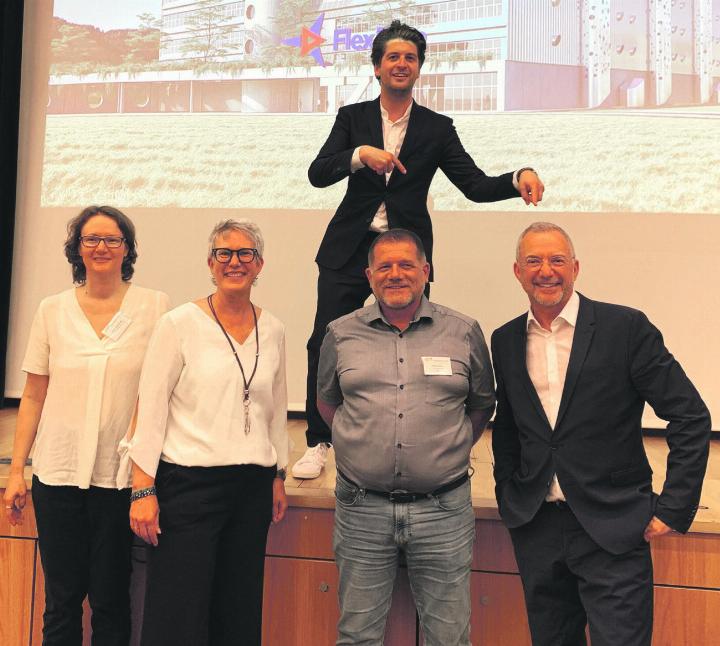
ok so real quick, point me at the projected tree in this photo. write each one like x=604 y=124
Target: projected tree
x=143 y=43
x=290 y=16
x=84 y=49
x=78 y=49
x=209 y=37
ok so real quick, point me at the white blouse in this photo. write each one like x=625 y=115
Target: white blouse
x=92 y=386
x=190 y=409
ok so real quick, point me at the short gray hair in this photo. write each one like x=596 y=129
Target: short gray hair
x=543 y=227
x=247 y=227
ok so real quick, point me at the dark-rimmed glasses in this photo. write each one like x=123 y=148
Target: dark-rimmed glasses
x=111 y=242
x=245 y=255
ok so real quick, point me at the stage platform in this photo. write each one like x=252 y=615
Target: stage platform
x=301 y=578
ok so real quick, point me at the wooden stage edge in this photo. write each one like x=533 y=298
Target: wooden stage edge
x=300 y=593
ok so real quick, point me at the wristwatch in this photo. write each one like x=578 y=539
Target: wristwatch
x=522 y=170
x=282 y=474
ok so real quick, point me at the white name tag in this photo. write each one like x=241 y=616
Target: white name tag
x=117 y=325
x=437 y=365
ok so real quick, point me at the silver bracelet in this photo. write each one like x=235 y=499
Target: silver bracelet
x=142 y=493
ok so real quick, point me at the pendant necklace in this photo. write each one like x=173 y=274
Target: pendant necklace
x=246 y=382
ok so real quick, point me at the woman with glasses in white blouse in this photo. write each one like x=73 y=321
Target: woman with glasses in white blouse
x=83 y=365
x=209 y=454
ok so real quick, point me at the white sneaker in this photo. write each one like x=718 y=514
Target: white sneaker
x=311 y=463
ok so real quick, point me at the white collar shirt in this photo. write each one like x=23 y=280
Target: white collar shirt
x=191 y=409
x=393 y=138
x=547 y=357
x=92 y=386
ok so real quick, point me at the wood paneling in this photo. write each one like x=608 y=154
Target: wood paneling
x=17 y=557
x=303 y=532
x=686 y=617
x=691 y=560
x=498 y=611
x=498 y=615
x=300 y=602
x=493 y=549
x=301 y=607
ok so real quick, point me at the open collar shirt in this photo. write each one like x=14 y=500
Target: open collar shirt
x=397 y=427
x=191 y=410
x=92 y=387
x=547 y=358
x=393 y=138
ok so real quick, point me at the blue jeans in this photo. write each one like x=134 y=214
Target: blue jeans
x=436 y=534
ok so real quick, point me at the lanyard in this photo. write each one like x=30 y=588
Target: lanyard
x=246 y=382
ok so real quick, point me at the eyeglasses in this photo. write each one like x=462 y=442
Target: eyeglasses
x=244 y=255
x=534 y=262
x=111 y=242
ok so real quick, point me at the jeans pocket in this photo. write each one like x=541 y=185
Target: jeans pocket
x=454 y=500
x=345 y=493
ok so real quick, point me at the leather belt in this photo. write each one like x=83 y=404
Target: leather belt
x=402 y=497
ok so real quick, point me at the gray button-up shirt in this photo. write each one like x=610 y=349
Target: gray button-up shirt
x=397 y=427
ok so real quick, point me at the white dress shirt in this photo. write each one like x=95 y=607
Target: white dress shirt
x=92 y=386
x=393 y=137
x=190 y=407
x=547 y=356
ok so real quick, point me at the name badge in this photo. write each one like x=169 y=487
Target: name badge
x=437 y=366
x=117 y=325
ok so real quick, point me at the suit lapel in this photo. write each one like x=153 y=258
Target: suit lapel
x=376 y=137
x=584 y=330
x=416 y=123
x=376 y=132
x=519 y=358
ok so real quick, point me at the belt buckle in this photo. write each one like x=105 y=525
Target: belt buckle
x=400 y=496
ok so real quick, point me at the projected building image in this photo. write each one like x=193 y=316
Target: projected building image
x=483 y=55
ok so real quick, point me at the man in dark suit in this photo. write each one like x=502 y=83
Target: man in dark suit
x=573 y=482
x=389 y=149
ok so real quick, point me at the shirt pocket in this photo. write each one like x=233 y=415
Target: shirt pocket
x=441 y=390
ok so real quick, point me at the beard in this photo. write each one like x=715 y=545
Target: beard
x=548 y=300
x=397 y=300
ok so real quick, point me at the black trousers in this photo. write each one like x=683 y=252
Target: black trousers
x=205 y=577
x=85 y=540
x=339 y=292
x=570 y=581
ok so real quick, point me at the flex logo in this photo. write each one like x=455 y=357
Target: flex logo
x=345 y=39
x=309 y=41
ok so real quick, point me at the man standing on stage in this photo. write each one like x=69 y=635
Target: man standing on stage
x=389 y=149
x=573 y=482
x=407 y=387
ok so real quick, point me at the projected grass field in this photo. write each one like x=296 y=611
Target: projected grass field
x=603 y=161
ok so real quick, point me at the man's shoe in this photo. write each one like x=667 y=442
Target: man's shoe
x=311 y=463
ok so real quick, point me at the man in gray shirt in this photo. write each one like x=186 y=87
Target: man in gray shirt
x=407 y=387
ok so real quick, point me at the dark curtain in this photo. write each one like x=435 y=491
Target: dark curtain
x=11 y=22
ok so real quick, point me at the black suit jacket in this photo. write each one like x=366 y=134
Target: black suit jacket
x=431 y=142
x=617 y=363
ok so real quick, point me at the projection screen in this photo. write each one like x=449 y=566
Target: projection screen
x=182 y=113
